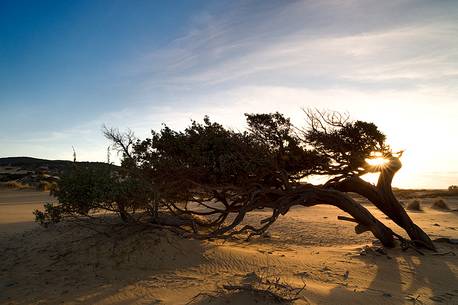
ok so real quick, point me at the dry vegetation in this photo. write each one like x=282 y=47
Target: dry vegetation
x=15 y=185
x=414 y=205
x=440 y=205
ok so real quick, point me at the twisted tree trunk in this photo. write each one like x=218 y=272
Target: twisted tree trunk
x=281 y=201
x=381 y=195
x=360 y=214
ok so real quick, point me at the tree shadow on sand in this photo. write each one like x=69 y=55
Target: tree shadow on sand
x=405 y=277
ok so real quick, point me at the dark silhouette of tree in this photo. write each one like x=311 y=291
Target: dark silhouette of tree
x=204 y=180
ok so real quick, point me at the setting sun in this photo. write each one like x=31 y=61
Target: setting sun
x=377 y=161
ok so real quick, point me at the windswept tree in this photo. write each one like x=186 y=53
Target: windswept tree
x=204 y=180
x=350 y=147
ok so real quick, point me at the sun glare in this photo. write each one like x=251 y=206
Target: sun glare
x=378 y=161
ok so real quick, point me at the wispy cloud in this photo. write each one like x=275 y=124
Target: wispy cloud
x=285 y=44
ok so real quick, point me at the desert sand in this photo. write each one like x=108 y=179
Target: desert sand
x=307 y=248
x=16 y=207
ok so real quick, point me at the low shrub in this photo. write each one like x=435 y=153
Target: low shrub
x=83 y=190
x=453 y=188
x=414 y=206
x=51 y=214
x=46 y=186
x=440 y=205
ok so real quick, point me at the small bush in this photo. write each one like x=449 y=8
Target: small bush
x=51 y=214
x=453 y=188
x=97 y=188
x=414 y=206
x=440 y=205
x=271 y=290
x=46 y=186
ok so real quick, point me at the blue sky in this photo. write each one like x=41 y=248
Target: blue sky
x=68 y=67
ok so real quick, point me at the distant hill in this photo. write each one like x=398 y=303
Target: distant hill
x=33 y=163
x=29 y=171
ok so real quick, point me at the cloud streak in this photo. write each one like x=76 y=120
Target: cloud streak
x=262 y=49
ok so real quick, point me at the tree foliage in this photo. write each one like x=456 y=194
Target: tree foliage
x=206 y=178
x=85 y=189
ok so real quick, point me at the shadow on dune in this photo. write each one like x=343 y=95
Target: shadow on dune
x=234 y=298
x=404 y=277
x=72 y=263
x=434 y=272
x=16 y=227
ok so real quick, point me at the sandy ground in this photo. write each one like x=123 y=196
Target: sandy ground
x=69 y=264
x=16 y=208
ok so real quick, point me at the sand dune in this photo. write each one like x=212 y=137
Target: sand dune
x=71 y=264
